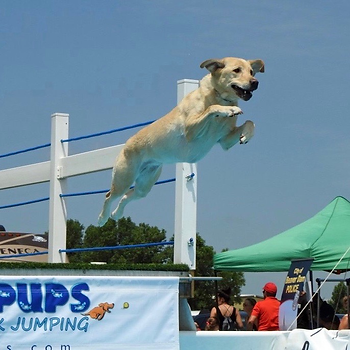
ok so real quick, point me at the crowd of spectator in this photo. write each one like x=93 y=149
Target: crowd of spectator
x=263 y=315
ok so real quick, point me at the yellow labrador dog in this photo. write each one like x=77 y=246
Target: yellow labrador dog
x=203 y=118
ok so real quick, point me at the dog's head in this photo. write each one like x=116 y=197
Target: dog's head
x=106 y=306
x=233 y=78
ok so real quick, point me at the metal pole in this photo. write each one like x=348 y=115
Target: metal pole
x=348 y=301
x=318 y=303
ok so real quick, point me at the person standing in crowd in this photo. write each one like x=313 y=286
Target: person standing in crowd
x=344 y=322
x=248 y=305
x=225 y=310
x=328 y=318
x=197 y=327
x=212 y=324
x=265 y=312
x=304 y=318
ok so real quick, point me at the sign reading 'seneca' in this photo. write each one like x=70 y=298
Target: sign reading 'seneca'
x=14 y=246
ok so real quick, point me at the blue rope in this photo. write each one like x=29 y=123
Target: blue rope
x=82 y=193
x=107 y=132
x=71 y=195
x=24 y=203
x=165 y=181
x=77 y=250
x=118 y=247
x=105 y=191
x=25 y=150
x=77 y=138
x=21 y=255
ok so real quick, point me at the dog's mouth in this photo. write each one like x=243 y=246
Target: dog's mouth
x=241 y=93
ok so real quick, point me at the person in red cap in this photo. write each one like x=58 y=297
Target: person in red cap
x=265 y=312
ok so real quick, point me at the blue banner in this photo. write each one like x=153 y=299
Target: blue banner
x=293 y=286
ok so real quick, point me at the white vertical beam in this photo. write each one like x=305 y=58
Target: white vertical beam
x=57 y=211
x=185 y=198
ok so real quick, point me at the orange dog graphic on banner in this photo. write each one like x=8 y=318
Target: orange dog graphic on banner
x=99 y=311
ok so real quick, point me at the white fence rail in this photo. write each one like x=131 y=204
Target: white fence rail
x=61 y=166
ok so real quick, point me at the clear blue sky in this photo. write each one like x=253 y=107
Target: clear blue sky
x=114 y=63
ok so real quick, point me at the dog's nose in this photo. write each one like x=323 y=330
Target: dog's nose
x=253 y=84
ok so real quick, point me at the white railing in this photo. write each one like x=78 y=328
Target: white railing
x=61 y=166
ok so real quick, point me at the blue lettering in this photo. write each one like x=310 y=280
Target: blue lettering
x=50 y=324
x=37 y=298
x=84 y=302
x=7 y=295
x=56 y=294
x=30 y=297
x=18 y=324
x=83 y=324
x=71 y=324
x=30 y=325
x=38 y=324
x=2 y=328
x=54 y=321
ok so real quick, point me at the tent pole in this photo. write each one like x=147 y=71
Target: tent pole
x=311 y=275
x=311 y=317
x=216 y=291
x=318 y=303
x=348 y=304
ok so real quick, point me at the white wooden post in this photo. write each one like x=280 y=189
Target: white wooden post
x=185 y=198
x=57 y=211
x=62 y=166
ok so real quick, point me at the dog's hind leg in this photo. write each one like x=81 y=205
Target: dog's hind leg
x=100 y=316
x=122 y=178
x=143 y=184
x=104 y=215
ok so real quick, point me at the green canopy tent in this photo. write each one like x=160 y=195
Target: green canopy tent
x=325 y=238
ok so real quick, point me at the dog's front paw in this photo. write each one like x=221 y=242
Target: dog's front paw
x=235 y=111
x=228 y=111
x=247 y=132
x=243 y=139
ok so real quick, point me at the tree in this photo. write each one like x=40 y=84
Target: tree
x=140 y=234
x=122 y=233
x=235 y=280
x=203 y=290
x=74 y=238
x=125 y=232
x=339 y=292
x=105 y=236
x=204 y=293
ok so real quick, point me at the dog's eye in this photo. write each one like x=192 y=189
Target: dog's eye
x=251 y=72
x=237 y=70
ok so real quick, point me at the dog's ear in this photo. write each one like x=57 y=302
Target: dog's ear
x=212 y=65
x=257 y=65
